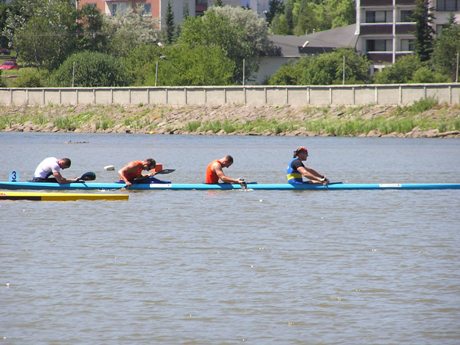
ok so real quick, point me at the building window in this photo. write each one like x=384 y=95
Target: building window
x=378 y=45
x=113 y=9
x=378 y=17
x=448 y=5
x=147 y=10
x=406 y=16
x=407 y=45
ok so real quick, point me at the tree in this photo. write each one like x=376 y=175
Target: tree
x=91 y=69
x=197 y=65
x=409 y=69
x=274 y=7
x=446 y=49
x=90 y=33
x=3 y=18
x=218 y=3
x=128 y=30
x=141 y=61
x=304 y=16
x=239 y=33
x=48 y=37
x=327 y=69
x=289 y=74
x=170 y=28
x=423 y=16
x=324 y=69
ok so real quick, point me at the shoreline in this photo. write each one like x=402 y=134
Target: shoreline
x=418 y=120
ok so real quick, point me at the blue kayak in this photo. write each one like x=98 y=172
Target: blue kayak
x=225 y=186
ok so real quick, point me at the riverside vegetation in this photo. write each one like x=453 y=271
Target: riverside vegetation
x=424 y=118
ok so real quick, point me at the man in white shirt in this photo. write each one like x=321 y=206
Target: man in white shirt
x=49 y=170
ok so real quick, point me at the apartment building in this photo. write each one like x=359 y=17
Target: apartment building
x=385 y=28
x=157 y=9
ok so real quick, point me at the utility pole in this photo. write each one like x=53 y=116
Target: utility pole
x=244 y=71
x=456 y=71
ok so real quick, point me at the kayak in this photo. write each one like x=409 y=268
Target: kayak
x=37 y=196
x=224 y=186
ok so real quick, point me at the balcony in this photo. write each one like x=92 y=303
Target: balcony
x=376 y=3
x=386 y=2
x=386 y=56
x=376 y=29
x=379 y=57
x=402 y=29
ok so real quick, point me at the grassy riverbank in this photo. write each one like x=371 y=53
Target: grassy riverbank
x=425 y=118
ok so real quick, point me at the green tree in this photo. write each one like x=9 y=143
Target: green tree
x=197 y=65
x=290 y=73
x=446 y=48
x=274 y=7
x=327 y=69
x=141 y=61
x=400 y=72
x=170 y=27
x=238 y=32
x=90 y=29
x=426 y=75
x=324 y=69
x=48 y=37
x=279 y=25
x=91 y=69
x=423 y=16
x=3 y=18
x=218 y=3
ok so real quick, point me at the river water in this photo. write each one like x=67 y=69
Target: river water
x=229 y=267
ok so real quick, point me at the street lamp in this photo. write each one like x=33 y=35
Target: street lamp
x=156 y=68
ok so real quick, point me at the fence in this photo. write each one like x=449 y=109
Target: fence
x=399 y=94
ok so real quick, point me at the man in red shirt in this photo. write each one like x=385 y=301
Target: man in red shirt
x=214 y=172
x=133 y=170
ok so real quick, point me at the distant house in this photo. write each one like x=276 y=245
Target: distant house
x=291 y=48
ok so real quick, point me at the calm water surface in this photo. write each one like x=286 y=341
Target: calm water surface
x=260 y=267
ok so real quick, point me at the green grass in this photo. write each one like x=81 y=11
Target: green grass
x=417 y=107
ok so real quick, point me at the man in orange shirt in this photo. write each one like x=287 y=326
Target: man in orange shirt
x=214 y=172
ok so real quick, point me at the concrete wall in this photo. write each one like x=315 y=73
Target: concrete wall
x=249 y=95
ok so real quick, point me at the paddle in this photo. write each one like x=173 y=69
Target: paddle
x=165 y=171
x=87 y=176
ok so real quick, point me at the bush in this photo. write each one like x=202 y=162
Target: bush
x=31 y=77
x=92 y=69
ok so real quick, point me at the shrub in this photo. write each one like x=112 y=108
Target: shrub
x=91 y=69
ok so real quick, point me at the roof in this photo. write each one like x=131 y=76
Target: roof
x=318 y=42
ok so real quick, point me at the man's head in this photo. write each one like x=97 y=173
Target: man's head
x=64 y=163
x=301 y=152
x=226 y=161
x=149 y=164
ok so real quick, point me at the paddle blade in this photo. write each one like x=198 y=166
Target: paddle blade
x=165 y=171
x=87 y=176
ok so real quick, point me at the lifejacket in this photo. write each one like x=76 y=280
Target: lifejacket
x=131 y=175
x=293 y=176
x=211 y=176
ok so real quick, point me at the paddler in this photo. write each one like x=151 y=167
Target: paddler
x=296 y=170
x=49 y=170
x=132 y=172
x=214 y=172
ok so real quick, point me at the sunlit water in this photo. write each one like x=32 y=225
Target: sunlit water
x=227 y=267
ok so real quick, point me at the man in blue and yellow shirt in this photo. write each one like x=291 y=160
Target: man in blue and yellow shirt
x=297 y=170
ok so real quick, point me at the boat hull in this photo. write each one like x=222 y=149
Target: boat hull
x=46 y=196
x=225 y=186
